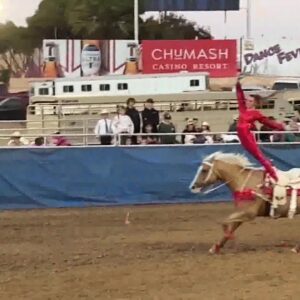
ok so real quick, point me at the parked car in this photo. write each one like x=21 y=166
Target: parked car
x=13 y=108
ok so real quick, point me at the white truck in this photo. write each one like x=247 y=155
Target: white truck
x=286 y=84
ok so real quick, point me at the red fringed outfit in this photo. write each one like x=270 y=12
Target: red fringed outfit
x=246 y=122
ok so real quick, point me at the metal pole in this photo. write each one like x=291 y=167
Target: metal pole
x=249 y=7
x=136 y=21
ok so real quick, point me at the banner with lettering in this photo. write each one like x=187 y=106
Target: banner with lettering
x=217 y=57
x=275 y=58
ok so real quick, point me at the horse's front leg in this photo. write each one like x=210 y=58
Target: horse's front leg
x=229 y=230
x=230 y=225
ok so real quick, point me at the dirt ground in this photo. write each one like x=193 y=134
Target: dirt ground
x=161 y=255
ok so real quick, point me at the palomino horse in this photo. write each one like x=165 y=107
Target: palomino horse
x=245 y=182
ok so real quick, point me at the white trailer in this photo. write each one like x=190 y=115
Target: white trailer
x=119 y=85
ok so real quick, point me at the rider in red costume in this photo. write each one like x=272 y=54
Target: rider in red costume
x=248 y=116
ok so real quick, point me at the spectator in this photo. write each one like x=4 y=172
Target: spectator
x=191 y=129
x=104 y=128
x=277 y=138
x=134 y=115
x=200 y=137
x=206 y=129
x=122 y=124
x=294 y=135
x=233 y=125
x=166 y=126
x=59 y=140
x=150 y=116
x=266 y=137
x=17 y=140
x=148 y=139
x=39 y=141
x=128 y=141
x=218 y=139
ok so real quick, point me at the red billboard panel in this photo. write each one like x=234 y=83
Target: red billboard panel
x=217 y=57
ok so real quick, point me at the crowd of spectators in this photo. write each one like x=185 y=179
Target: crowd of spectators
x=148 y=127
x=17 y=140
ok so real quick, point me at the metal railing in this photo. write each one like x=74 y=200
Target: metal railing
x=63 y=109
x=160 y=139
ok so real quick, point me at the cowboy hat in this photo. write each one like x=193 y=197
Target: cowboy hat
x=104 y=112
x=16 y=134
x=205 y=124
x=190 y=121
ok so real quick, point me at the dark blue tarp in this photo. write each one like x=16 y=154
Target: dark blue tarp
x=77 y=177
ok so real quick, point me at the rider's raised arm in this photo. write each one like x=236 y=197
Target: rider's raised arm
x=240 y=97
x=269 y=123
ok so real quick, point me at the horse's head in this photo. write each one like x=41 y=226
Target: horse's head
x=212 y=167
x=206 y=175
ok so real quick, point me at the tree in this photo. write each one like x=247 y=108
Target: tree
x=105 y=19
x=84 y=19
x=17 y=47
x=49 y=21
x=5 y=76
x=111 y=19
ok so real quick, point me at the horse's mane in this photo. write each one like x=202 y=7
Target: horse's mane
x=231 y=158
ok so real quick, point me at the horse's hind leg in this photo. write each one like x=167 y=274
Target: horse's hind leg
x=230 y=225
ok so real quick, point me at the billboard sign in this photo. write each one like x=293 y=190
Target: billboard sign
x=275 y=58
x=75 y=58
x=191 y=5
x=217 y=57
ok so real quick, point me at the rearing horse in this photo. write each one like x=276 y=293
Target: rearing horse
x=237 y=172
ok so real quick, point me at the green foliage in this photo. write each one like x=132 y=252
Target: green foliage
x=5 y=76
x=86 y=19
x=50 y=21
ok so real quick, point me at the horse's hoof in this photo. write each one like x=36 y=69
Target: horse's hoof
x=296 y=250
x=215 y=249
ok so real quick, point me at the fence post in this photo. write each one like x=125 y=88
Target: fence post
x=43 y=119
x=85 y=132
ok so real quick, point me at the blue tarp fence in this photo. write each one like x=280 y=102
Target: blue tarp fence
x=93 y=176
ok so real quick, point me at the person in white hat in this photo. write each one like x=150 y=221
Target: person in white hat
x=17 y=140
x=205 y=127
x=103 y=129
x=189 y=133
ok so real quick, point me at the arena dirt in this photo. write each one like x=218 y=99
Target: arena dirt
x=161 y=255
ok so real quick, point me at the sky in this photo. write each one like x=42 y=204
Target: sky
x=270 y=19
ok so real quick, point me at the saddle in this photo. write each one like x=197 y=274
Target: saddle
x=288 y=185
